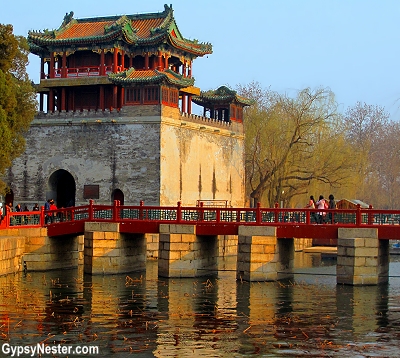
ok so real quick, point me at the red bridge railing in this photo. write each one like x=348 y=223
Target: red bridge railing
x=201 y=214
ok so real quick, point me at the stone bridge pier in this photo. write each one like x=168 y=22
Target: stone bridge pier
x=182 y=253
x=262 y=256
x=362 y=259
x=108 y=251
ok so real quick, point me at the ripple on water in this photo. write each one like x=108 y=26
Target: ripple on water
x=215 y=317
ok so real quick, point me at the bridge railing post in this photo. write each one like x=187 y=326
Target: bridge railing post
x=115 y=216
x=179 y=213
x=141 y=204
x=201 y=212
x=258 y=214
x=42 y=216
x=276 y=212
x=307 y=217
x=370 y=216
x=90 y=209
x=358 y=215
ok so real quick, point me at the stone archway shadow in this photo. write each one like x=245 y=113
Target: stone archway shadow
x=62 y=188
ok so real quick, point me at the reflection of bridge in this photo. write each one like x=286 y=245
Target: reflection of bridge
x=190 y=238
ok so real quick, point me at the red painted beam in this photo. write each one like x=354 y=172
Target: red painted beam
x=67 y=228
x=139 y=227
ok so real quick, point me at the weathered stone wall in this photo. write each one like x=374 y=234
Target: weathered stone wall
x=200 y=162
x=150 y=153
x=12 y=247
x=123 y=156
x=38 y=251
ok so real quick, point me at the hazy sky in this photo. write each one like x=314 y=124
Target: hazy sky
x=350 y=46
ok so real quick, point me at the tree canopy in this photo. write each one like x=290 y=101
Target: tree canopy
x=292 y=143
x=17 y=98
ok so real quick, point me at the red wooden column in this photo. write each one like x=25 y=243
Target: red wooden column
x=183 y=103
x=189 y=110
x=159 y=67
x=101 y=99
x=122 y=60
x=42 y=74
x=121 y=97
x=166 y=61
x=64 y=65
x=41 y=102
x=51 y=100
x=102 y=63
x=51 y=69
x=115 y=64
x=115 y=97
x=63 y=108
x=146 y=61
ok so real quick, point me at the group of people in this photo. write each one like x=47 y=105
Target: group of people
x=321 y=217
x=49 y=205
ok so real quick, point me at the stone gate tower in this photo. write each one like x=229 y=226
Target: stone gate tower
x=115 y=118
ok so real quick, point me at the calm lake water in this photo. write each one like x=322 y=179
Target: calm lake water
x=142 y=315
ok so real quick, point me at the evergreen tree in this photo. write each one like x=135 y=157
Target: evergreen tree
x=17 y=98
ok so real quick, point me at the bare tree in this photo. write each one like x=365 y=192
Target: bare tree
x=291 y=142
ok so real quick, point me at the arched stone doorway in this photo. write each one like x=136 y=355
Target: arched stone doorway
x=9 y=198
x=62 y=188
x=117 y=194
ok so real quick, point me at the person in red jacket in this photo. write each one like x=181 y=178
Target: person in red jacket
x=52 y=207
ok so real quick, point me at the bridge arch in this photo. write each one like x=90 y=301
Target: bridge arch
x=117 y=194
x=62 y=188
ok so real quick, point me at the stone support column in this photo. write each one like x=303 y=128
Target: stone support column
x=262 y=256
x=362 y=259
x=184 y=254
x=107 y=251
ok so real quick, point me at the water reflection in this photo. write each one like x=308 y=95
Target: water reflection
x=216 y=317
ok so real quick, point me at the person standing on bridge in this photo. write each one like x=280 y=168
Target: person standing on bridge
x=311 y=205
x=46 y=209
x=331 y=205
x=321 y=204
x=52 y=207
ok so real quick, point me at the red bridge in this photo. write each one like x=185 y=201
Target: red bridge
x=290 y=223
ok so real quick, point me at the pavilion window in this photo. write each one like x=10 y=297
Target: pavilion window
x=151 y=95
x=132 y=95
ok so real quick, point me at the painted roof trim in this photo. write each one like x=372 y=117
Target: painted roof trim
x=221 y=95
x=132 y=77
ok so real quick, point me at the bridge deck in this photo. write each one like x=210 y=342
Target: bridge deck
x=299 y=223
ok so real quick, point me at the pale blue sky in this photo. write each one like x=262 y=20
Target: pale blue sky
x=351 y=46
